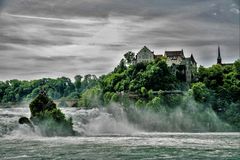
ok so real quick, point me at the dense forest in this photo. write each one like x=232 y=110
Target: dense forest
x=215 y=90
x=18 y=91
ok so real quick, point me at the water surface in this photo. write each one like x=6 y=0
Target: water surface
x=124 y=142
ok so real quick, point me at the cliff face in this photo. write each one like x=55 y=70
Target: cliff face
x=48 y=118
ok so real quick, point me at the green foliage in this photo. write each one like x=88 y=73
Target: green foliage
x=223 y=82
x=17 y=91
x=140 y=104
x=114 y=98
x=232 y=115
x=73 y=95
x=121 y=67
x=91 y=98
x=200 y=92
x=151 y=76
x=88 y=82
x=50 y=120
x=130 y=57
x=237 y=66
x=144 y=92
x=156 y=104
x=150 y=94
x=216 y=87
x=78 y=82
x=107 y=97
x=142 y=84
x=171 y=101
x=54 y=123
x=212 y=77
x=40 y=104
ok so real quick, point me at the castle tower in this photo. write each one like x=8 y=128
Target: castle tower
x=219 y=59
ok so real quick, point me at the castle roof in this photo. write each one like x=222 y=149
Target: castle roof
x=145 y=49
x=174 y=54
x=192 y=59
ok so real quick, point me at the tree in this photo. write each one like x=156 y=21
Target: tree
x=130 y=57
x=91 y=98
x=78 y=82
x=200 y=92
x=121 y=67
x=237 y=66
x=50 y=120
x=156 y=105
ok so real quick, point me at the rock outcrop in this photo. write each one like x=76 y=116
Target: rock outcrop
x=48 y=118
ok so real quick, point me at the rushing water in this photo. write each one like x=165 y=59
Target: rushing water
x=105 y=136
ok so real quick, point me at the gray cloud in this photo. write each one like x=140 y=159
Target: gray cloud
x=4 y=47
x=237 y=2
x=104 y=8
x=2 y=2
x=30 y=41
x=68 y=37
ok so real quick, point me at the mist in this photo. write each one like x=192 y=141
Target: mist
x=114 y=119
x=189 y=116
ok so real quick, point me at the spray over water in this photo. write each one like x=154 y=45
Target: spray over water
x=117 y=120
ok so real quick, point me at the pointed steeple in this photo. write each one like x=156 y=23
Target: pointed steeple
x=219 y=59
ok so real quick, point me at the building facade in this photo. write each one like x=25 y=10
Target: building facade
x=183 y=67
x=174 y=57
x=145 y=55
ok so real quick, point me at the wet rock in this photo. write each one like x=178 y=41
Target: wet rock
x=25 y=120
x=48 y=118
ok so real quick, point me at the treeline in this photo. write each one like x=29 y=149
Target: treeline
x=219 y=87
x=128 y=81
x=215 y=88
x=17 y=91
x=215 y=91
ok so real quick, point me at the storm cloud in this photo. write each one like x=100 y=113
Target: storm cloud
x=53 y=38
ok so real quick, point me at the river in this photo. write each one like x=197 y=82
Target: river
x=106 y=137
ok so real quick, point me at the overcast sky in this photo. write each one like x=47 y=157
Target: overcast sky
x=54 y=38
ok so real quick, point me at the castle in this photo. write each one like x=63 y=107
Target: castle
x=183 y=67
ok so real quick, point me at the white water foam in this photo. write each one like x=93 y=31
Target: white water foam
x=110 y=121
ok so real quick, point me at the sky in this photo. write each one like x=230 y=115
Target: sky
x=55 y=38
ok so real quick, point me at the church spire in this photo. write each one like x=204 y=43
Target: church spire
x=219 y=59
